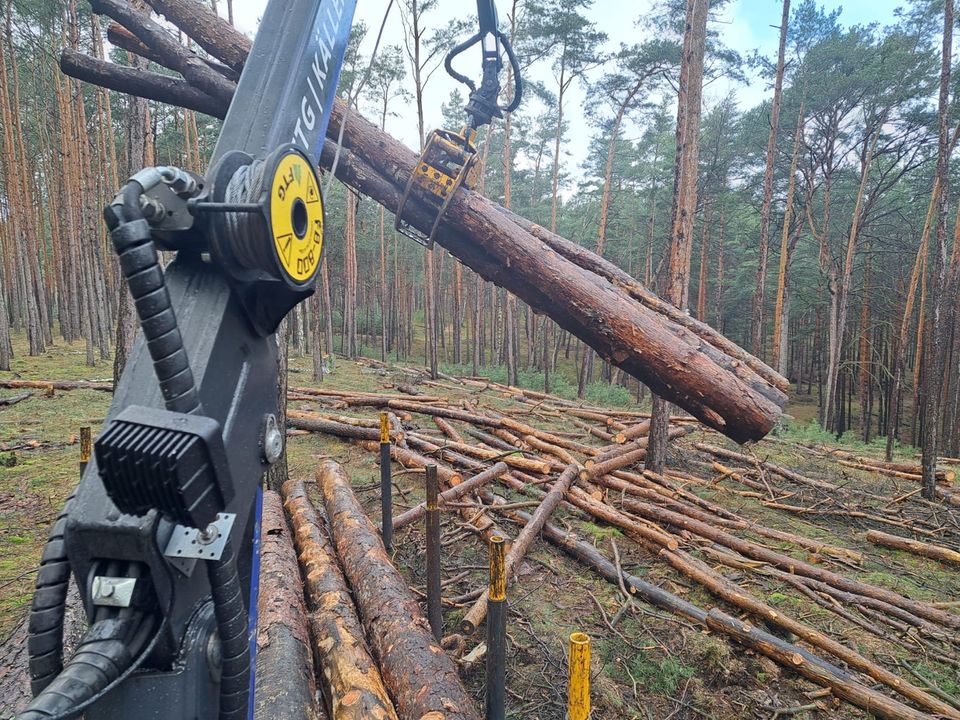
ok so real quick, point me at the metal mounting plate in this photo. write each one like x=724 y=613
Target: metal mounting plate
x=188 y=543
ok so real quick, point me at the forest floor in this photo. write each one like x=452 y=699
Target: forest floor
x=650 y=665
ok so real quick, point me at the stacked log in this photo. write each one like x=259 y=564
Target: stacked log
x=285 y=677
x=353 y=686
x=422 y=679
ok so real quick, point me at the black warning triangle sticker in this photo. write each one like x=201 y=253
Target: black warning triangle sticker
x=312 y=194
x=286 y=247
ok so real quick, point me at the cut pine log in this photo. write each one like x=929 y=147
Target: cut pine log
x=285 y=680
x=513 y=460
x=680 y=359
x=842 y=683
x=321 y=424
x=422 y=679
x=792 y=565
x=14 y=399
x=471 y=621
x=56 y=385
x=903 y=473
x=476 y=482
x=775 y=469
x=935 y=552
x=731 y=592
x=354 y=688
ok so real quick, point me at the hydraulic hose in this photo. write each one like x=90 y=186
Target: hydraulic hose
x=231 y=617
x=45 y=629
x=130 y=233
x=115 y=644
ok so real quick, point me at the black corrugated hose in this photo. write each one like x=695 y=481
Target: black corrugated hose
x=45 y=638
x=115 y=644
x=231 y=617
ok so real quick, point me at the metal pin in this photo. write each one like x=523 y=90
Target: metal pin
x=434 y=609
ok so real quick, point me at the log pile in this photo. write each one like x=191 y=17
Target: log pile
x=567 y=470
x=681 y=359
x=495 y=458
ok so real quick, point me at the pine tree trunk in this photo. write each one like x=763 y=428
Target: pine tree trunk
x=684 y=197
x=350 y=278
x=934 y=354
x=781 y=318
x=704 y=261
x=136 y=148
x=900 y=351
x=756 y=345
x=865 y=364
x=840 y=284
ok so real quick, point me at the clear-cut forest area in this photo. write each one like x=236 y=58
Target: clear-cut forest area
x=690 y=344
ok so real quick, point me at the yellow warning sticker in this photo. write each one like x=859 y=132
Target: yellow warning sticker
x=296 y=217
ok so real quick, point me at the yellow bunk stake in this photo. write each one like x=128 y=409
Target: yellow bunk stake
x=86 y=445
x=578 y=685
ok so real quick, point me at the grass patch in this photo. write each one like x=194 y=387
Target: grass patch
x=662 y=676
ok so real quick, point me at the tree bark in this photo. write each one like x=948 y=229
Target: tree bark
x=934 y=354
x=420 y=676
x=285 y=679
x=684 y=198
x=756 y=335
x=781 y=313
x=354 y=688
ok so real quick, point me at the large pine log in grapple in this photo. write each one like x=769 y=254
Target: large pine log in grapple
x=679 y=358
x=422 y=679
x=285 y=681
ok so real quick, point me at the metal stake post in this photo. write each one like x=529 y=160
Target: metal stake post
x=497 y=632
x=86 y=445
x=578 y=686
x=386 y=484
x=434 y=609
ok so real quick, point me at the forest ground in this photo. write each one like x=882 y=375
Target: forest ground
x=651 y=665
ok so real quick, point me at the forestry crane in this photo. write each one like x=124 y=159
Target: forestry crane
x=162 y=533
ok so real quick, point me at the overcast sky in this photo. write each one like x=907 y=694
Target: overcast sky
x=746 y=25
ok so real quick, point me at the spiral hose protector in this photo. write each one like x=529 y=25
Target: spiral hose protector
x=231 y=617
x=107 y=649
x=45 y=629
x=130 y=233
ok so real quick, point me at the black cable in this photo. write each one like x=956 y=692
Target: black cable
x=231 y=617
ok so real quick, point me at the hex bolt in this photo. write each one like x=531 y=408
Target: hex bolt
x=208 y=535
x=272 y=440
